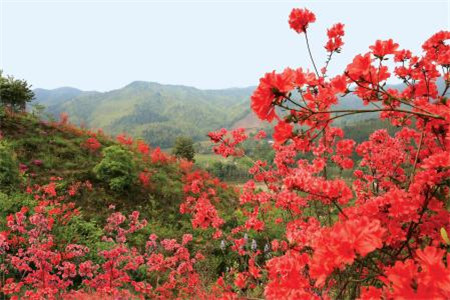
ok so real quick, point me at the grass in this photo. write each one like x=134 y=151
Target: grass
x=207 y=159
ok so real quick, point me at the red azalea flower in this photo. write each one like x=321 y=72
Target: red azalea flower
x=360 y=66
x=283 y=131
x=271 y=87
x=383 y=48
x=299 y=19
x=92 y=144
x=335 y=34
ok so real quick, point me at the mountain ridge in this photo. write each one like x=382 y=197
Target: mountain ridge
x=159 y=113
x=155 y=112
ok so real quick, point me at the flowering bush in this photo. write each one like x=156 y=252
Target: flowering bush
x=381 y=234
x=37 y=262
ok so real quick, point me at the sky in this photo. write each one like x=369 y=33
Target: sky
x=104 y=45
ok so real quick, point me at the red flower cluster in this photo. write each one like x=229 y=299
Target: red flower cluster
x=299 y=19
x=142 y=147
x=200 y=192
x=124 y=140
x=272 y=87
x=283 y=131
x=144 y=178
x=228 y=145
x=383 y=48
x=158 y=157
x=335 y=35
x=92 y=144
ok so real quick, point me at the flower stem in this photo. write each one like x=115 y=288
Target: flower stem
x=310 y=54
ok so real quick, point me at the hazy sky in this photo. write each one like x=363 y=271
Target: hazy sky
x=103 y=45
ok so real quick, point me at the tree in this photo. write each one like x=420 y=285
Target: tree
x=14 y=93
x=184 y=148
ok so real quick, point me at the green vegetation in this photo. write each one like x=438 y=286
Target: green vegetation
x=14 y=93
x=359 y=131
x=105 y=177
x=9 y=166
x=48 y=151
x=117 y=168
x=184 y=148
x=158 y=113
x=161 y=113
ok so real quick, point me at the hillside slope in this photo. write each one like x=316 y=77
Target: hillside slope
x=55 y=152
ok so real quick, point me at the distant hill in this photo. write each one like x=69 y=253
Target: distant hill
x=158 y=113
x=56 y=96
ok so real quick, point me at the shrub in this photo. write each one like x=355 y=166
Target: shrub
x=117 y=168
x=381 y=234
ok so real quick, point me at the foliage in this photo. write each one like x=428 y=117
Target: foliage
x=14 y=93
x=51 y=149
x=117 y=168
x=228 y=171
x=184 y=148
x=157 y=113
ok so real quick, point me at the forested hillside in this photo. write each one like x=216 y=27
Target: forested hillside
x=161 y=113
x=158 y=113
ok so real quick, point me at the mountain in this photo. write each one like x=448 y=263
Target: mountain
x=156 y=112
x=55 y=96
x=159 y=113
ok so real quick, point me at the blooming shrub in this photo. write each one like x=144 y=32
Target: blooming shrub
x=158 y=157
x=38 y=263
x=200 y=194
x=142 y=147
x=63 y=119
x=384 y=233
x=144 y=178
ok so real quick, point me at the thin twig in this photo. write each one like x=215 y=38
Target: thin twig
x=411 y=177
x=310 y=54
